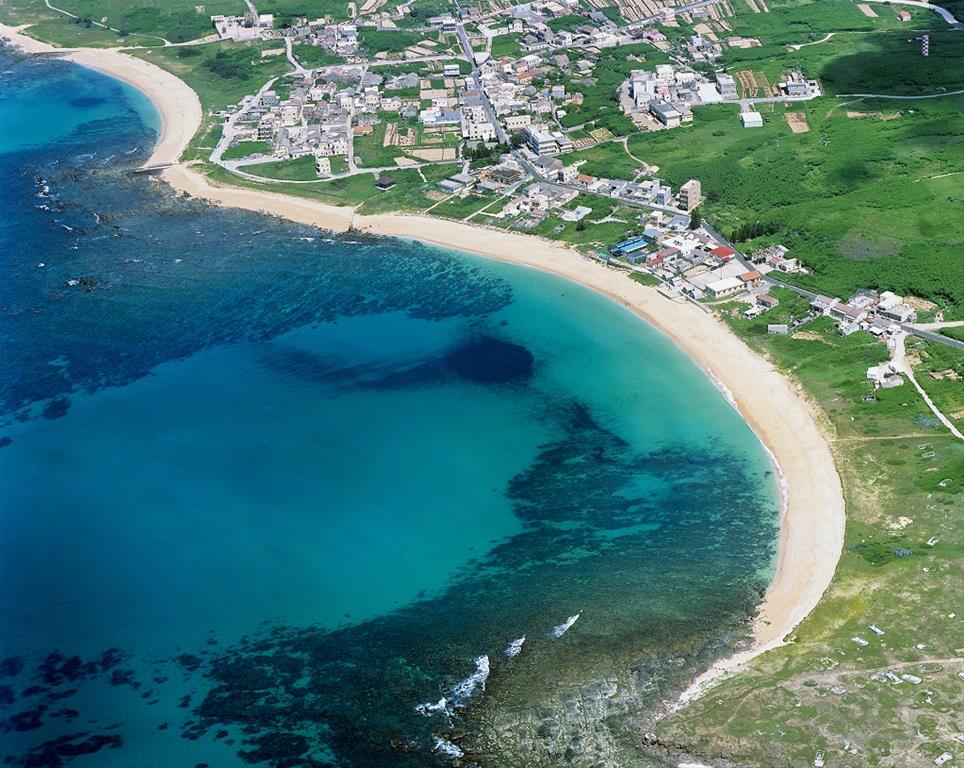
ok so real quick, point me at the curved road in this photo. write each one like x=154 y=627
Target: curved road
x=901 y=98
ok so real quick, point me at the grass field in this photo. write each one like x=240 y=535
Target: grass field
x=173 y=20
x=902 y=475
x=876 y=62
x=313 y=56
x=299 y=169
x=608 y=159
x=505 y=45
x=372 y=41
x=408 y=194
x=245 y=148
x=244 y=71
x=940 y=371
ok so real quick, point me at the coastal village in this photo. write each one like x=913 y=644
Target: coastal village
x=496 y=96
x=487 y=96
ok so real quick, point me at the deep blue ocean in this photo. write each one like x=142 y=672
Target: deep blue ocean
x=268 y=496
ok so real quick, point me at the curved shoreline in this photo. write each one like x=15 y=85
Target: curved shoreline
x=812 y=522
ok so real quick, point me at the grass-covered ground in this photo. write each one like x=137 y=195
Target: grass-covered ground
x=221 y=73
x=505 y=45
x=902 y=475
x=299 y=169
x=246 y=148
x=173 y=20
x=608 y=159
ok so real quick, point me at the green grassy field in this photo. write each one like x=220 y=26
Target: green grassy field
x=953 y=333
x=299 y=169
x=940 y=371
x=902 y=475
x=372 y=41
x=568 y=22
x=608 y=159
x=505 y=45
x=313 y=56
x=865 y=62
x=173 y=20
x=221 y=73
x=245 y=148
x=370 y=153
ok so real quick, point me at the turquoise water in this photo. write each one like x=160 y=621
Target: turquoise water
x=266 y=492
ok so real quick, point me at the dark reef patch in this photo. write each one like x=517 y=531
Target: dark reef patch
x=57 y=752
x=56 y=408
x=11 y=666
x=488 y=360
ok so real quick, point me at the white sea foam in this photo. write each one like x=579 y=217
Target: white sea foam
x=473 y=682
x=442 y=705
x=560 y=629
x=447 y=749
x=514 y=648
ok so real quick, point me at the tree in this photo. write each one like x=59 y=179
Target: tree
x=696 y=218
x=518 y=139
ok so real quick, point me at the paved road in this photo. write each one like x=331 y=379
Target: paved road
x=899 y=98
x=935 y=337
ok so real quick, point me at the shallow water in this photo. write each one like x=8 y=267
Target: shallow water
x=266 y=491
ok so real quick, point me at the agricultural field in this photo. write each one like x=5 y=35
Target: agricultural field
x=860 y=197
x=900 y=570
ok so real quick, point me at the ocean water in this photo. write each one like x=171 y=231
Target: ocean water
x=271 y=497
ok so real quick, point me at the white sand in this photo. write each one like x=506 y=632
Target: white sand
x=812 y=524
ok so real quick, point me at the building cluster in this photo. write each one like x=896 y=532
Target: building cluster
x=322 y=112
x=530 y=22
x=251 y=26
x=665 y=98
x=880 y=314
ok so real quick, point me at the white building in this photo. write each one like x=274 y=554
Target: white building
x=239 y=28
x=724 y=287
x=751 y=119
x=541 y=141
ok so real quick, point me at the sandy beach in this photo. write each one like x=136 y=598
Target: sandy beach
x=812 y=525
